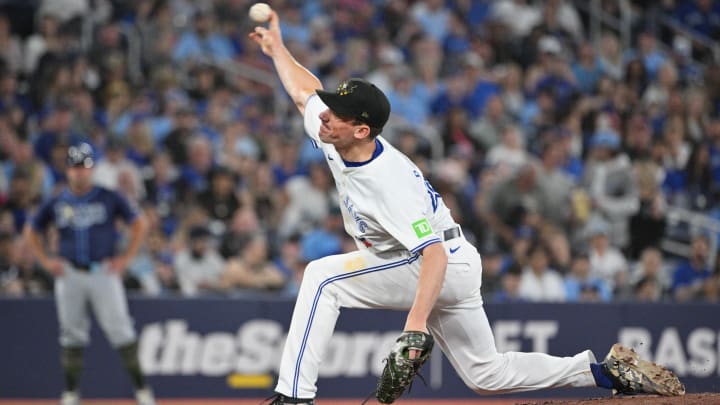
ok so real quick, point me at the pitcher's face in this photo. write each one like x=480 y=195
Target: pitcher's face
x=341 y=132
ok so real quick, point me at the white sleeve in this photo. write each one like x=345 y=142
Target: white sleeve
x=313 y=107
x=405 y=215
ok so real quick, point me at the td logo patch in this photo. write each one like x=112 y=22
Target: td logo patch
x=422 y=228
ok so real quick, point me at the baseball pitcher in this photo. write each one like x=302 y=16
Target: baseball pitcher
x=411 y=255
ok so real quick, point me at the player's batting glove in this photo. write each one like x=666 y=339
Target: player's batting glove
x=400 y=369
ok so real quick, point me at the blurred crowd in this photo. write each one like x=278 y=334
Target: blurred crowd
x=559 y=153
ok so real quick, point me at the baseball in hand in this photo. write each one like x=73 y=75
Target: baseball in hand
x=260 y=12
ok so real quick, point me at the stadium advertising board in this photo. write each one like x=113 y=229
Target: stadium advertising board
x=230 y=347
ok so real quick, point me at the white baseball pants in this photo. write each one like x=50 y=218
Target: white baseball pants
x=458 y=323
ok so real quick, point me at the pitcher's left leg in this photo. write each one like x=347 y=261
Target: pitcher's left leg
x=463 y=332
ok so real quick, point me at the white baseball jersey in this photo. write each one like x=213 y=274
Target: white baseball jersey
x=410 y=220
x=393 y=213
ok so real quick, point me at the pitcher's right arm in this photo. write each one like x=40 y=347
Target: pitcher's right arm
x=298 y=81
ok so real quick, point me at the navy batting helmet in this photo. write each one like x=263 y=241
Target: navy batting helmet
x=80 y=155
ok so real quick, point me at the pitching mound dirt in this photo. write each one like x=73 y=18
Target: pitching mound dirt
x=688 y=399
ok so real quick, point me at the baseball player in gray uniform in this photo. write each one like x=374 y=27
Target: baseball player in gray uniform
x=411 y=255
x=88 y=270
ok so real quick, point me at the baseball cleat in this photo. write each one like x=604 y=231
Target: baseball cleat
x=632 y=375
x=70 y=398
x=280 y=399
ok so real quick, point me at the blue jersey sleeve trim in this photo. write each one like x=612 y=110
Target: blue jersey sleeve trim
x=426 y=244
x=378 y=150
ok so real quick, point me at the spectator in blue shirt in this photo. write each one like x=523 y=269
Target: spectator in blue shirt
x=649 y=52
x=580 y=285
x=293 y=26
x=690 y=276
x=202 y=43
x=286 y=164
x=510 y=292
x=587 y=68
x=701 y=16
x=196 y=173
x=457 y=41
x=433 y=17
x=451 y=95
x=408 y=100
x=325 y=240
x=10 y=96
x=481 y=86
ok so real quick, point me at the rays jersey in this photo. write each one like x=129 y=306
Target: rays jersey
x=386 y=202
x=86 y=223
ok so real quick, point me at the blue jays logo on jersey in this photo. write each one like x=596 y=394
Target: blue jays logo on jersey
x=80 y=216
x=350 y=207
x=434 y=195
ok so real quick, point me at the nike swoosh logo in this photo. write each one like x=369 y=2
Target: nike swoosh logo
x=453 y=250
x=330 y=158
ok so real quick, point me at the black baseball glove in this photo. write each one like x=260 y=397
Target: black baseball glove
x=400 y=369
